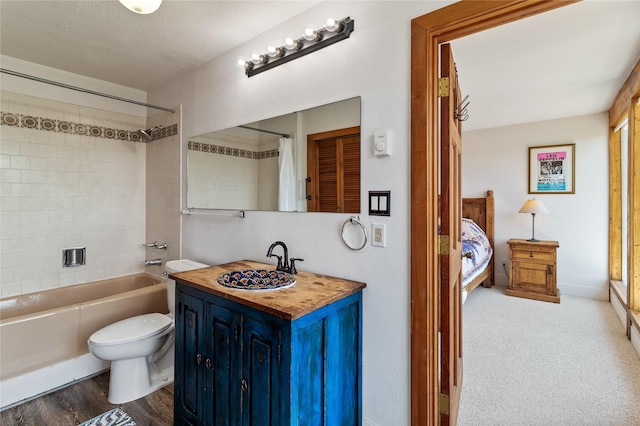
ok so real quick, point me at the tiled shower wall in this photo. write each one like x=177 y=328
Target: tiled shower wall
x=163 y=193
x=232 y=177
x=70 y=176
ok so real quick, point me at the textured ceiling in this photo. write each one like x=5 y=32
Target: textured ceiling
x=563 y=63
x=104 y=40
x=568 y=62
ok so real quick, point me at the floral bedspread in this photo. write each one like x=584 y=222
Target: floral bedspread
x=474 y=241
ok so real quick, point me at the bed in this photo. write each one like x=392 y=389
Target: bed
x=477 y=243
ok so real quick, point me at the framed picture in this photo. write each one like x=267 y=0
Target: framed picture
x=552 y=169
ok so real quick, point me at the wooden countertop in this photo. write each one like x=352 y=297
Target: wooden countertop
x=310 y=292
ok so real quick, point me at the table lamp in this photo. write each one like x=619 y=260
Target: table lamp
x=534 y=207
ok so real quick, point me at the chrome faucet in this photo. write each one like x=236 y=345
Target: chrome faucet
x=152 y=262
x=284 y=267
x=155 y=244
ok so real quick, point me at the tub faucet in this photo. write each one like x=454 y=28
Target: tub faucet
x=284 y=267
x=152 y=262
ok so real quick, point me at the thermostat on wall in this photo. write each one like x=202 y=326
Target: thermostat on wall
x=381 y=144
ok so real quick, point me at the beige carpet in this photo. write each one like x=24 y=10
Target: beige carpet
x=538 y=363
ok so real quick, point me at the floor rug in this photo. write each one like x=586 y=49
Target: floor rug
x=115 y=417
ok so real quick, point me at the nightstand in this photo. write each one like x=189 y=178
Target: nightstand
x=533 y=270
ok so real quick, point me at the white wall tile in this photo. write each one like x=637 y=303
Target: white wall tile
x=64 y=190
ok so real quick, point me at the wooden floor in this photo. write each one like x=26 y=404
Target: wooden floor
x=85 y=400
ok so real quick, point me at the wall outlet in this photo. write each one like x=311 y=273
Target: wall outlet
x=378 y=235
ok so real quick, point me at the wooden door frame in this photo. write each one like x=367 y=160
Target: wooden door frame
x=427 y=32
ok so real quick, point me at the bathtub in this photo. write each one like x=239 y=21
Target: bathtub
x=43 y=336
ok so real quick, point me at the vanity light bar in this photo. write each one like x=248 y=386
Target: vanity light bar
x=312 y=40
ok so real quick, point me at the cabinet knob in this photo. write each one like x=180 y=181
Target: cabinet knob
x=244 y=385
x=530 y=254
x=550 y=270
x=207 y=364
x=199 y=359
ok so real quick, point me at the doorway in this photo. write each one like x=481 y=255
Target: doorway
x=427 y=33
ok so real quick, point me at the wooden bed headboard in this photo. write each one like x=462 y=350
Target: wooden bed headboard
x=482 y=212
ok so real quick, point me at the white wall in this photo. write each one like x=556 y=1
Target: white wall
x=498 y=159
x=28 y=87
x=374 y=64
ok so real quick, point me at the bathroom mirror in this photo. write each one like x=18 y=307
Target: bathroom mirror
x=240 y=168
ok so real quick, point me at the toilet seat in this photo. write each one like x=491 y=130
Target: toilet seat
x=131 y=329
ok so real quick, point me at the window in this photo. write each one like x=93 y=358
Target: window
x=624 y=211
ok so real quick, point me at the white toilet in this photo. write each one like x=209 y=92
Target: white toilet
x=141 y=348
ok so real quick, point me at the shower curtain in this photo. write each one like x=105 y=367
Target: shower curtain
x=287 y=187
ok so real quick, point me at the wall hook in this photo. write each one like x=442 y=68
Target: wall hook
x=460 y=111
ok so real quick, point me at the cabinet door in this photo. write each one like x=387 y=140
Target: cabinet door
x=224 y=368
x=260 y=381
x=534 y=277
x=189 y=344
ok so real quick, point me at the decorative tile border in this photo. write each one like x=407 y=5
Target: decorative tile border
x=72 y=128
x=233 y=152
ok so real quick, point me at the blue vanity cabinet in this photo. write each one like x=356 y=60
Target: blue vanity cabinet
x=240 y=365
x=227 y=363
x=189 y=345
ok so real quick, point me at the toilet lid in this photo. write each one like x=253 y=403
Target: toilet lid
x=131 y=329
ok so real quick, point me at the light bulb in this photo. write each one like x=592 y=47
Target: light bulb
x=142 y=7
x=291 y=44
x=258 y=59
x=332 y=25
x=274 y=51
x=311 y=35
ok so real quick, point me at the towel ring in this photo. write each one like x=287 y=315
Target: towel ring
x=354 y=219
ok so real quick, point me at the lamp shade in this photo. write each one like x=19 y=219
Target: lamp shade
x=533 y=206
x=142 y=6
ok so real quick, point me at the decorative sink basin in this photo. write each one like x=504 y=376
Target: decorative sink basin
x=256 y=279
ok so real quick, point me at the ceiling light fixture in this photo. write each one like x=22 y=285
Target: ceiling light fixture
x=312 y=40
x=142 y=7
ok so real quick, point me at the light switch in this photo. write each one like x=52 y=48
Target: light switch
x=380 y=203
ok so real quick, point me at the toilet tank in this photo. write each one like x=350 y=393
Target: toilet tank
x=174 y=266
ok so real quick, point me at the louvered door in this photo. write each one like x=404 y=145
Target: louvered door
x=333 y=169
